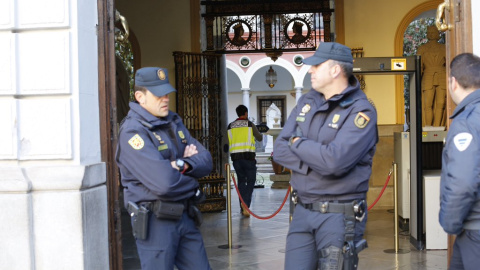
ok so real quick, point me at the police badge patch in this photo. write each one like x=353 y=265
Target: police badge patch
x=361 y=120
x=335 y=119
x=161 y=74
x=136 y=142
x=462 y=141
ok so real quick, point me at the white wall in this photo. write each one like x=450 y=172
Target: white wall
x=476 y=27
x=52 y=180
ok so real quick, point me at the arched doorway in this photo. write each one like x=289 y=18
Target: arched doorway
x=398 y=51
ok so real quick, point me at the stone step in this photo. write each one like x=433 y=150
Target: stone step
x=262 y=158
x=263 y=164
x=264 y=168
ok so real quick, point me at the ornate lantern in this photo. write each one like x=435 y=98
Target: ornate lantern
x=271 y=77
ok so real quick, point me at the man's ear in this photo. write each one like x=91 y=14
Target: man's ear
x=335 y=71
x=140 y=97
x=453 y=84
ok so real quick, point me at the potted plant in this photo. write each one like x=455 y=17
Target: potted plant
x=277 y=168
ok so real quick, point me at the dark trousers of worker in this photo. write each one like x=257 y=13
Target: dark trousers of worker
x=310 y=232
x=246 y=171
x=172 y=243
x=466 y=251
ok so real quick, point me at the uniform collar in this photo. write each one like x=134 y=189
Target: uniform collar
x=352 y=93
x=144 y=115
x=349 y=90
x=474 y=96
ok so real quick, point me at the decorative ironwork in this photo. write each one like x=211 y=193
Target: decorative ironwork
x=235 y=33
x=198 y=95
x=293 y=31
x=266 y=26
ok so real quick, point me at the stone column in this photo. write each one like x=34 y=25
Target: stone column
x=246 y=97
x=298 y=93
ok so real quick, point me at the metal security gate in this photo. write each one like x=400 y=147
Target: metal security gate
x=197 y=80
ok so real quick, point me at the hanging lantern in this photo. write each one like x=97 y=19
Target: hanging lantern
x=271 y=77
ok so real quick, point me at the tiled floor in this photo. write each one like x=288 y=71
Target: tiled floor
x=260 y=243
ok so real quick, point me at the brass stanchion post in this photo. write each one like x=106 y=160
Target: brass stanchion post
x=229 y=208
x=395 y=202
x=229 y=211
x=396 y=250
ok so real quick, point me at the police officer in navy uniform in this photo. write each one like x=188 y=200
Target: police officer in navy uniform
x=460 y=179
x=328 y=142
x=160 y=163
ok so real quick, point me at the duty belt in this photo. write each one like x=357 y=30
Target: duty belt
x=328 y=207
x=355 y=208
x=152 y=205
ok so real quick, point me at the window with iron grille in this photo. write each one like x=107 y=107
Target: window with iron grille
x=264 y=102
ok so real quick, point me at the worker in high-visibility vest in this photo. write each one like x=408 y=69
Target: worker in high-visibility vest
x=242 y=134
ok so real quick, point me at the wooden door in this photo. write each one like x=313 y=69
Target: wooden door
x=108 y=127
x=457 y=22
x=458 y=19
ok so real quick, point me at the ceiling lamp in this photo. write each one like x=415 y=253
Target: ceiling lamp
x=271 y=77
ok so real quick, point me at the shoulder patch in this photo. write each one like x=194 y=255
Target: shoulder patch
x=361 y=120
x=136 y=142
x=462 y=141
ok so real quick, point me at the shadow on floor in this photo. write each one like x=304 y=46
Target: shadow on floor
x=263 y=241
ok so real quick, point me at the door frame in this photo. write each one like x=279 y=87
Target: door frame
x=108 y=129
x=457 y=40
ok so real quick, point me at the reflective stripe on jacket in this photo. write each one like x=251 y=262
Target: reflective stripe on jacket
x=240 y=137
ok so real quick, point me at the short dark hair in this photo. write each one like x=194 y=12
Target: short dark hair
x=139 y=88
x=346 y=67
x=241 y=110
x=465 y=68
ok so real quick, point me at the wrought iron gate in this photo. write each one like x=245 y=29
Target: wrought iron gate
x=197 y=80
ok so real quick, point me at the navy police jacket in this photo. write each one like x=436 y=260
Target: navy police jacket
x=460 y=180
x=146 y=147
x=334 y=154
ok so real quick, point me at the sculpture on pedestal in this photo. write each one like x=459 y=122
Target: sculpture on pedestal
x=273 y=122
x=433 y=79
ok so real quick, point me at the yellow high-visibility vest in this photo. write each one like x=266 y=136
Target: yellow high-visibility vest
x=240 y=137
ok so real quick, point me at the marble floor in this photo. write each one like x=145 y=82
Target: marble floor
x=260 y=243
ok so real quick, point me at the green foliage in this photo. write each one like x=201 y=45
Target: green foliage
x=124 y=51
x=414 y=37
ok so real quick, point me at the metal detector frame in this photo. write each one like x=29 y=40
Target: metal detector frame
x=410 y=65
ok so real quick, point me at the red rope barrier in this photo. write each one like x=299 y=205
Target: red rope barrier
x=253 y=214
x=381 y=192
x=288 y=192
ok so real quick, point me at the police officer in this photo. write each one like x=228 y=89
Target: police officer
x=242 y=134
x=328 y=142
x=160 y=163
x=460 y=180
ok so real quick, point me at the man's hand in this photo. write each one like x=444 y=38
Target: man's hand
x=298 y=132
x=190 y=150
